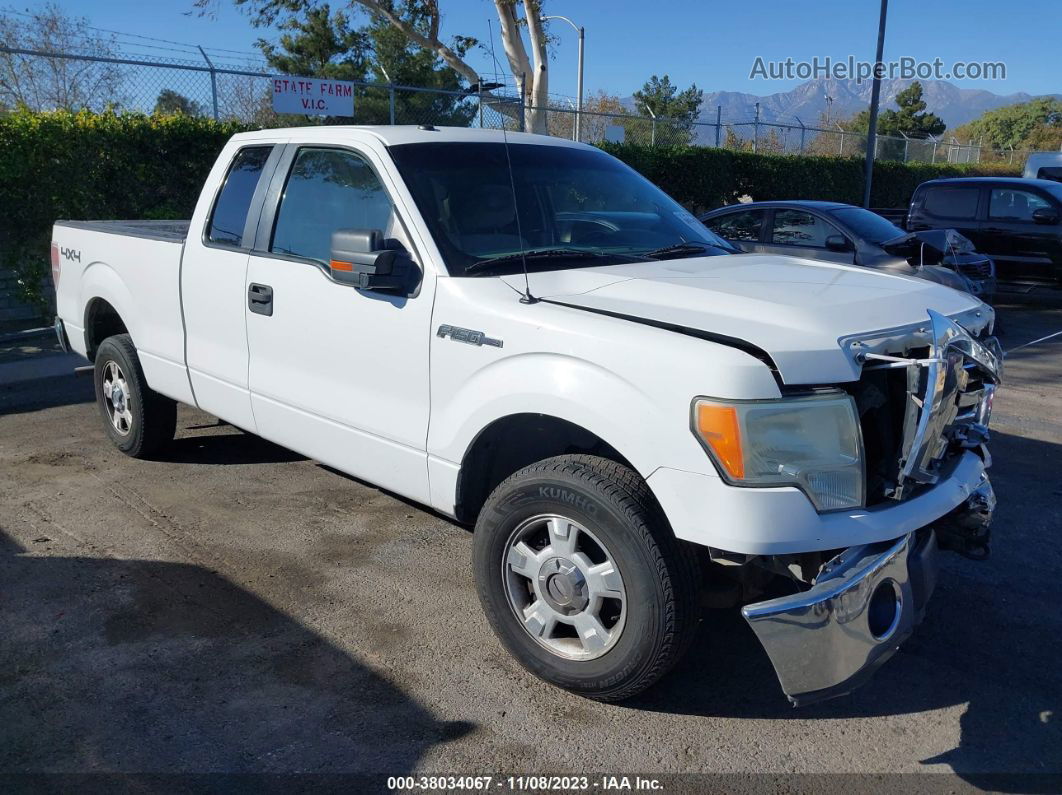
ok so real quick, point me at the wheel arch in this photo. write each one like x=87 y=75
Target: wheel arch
x=108 y=306
x=514 y=441
x=102 y=320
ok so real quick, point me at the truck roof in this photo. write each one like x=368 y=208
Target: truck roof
x=393 y=135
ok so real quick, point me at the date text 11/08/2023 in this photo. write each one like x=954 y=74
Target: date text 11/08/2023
x=604 y=783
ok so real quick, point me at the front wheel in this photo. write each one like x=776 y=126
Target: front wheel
x=581 y=578
x=136 y=418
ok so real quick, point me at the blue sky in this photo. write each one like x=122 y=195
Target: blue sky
x=709 y=42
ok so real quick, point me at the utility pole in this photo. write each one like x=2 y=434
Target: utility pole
x=756 y=130
x=875 y=96
x=829 y=104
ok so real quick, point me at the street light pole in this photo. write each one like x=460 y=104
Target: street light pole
x=652 y=141
x=875 y=95
x=579 y=83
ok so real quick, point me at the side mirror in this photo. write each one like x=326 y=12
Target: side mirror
x=1045 y=215
x=358 y=257
x=837 y=243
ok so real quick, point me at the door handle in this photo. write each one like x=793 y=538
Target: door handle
x=260 y=299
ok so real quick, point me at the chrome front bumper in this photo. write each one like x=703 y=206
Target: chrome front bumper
x=828 y=640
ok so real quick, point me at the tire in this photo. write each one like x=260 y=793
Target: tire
x=149 y=419
x=646 y=618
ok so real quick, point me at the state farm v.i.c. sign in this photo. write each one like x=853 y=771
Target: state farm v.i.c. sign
x=309 y=95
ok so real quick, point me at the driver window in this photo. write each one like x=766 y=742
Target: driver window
x=796 y=228
x=326 y=190
x=1014 y=205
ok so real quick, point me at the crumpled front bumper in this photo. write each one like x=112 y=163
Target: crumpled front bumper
x=828 y=640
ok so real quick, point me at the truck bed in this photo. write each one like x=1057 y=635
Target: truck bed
x=170 y=231
x=135 y=267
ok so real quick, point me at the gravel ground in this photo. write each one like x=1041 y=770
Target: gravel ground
x=234 y=607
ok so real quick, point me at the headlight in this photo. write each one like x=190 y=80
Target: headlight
x=813 y=443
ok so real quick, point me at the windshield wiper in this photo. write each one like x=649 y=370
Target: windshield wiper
x=677 y=250
x=539 y=254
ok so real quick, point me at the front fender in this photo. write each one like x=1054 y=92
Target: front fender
x=558 y=385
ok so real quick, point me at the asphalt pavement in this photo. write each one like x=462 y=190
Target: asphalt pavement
x=233 y=607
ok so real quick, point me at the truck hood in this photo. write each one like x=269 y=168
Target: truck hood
x=795 y=310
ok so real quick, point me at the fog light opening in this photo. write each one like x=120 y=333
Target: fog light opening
x=883 y=610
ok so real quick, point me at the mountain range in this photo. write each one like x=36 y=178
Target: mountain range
x=807 y=102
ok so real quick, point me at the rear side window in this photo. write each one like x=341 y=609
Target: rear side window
x=230 y=209
x=951 y=202
x=738 y=226
x=328 y=189
x=797 y=228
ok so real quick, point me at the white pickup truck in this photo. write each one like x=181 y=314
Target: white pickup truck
x=526 y=335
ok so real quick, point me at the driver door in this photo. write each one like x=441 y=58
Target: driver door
x=337 y=373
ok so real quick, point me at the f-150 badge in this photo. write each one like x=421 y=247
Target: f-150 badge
x=467 y=335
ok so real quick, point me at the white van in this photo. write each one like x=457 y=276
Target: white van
x=1044 y=165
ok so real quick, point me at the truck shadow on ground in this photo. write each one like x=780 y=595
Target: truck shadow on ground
x=232 y=446
x=134 y=666
x=992 y=639
x=44 y=393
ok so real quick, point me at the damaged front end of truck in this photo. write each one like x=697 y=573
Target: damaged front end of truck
x=925 y=398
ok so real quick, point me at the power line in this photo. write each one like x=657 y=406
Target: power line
x=191 y=49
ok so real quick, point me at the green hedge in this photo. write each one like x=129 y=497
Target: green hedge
x=703 y=179
x=79 y=166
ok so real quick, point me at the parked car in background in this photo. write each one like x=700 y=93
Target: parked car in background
x=837 y=232
x=1014 y=221
x=1044 y=165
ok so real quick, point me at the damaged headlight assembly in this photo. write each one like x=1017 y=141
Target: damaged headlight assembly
x=813 y=443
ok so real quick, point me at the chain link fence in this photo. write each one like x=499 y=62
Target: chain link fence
x=226 y=87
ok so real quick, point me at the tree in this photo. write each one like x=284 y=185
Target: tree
x=910 y=119
x=419 y=22
x=1036 y=124
x=326 y=44
x=666 y=101
x=396 y=60
x=170 y=102
x=676 y=111
x=42 y=83
x=600 y=112
x=319 y=44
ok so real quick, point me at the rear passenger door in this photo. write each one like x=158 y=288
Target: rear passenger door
x=213 y=281
x=798 y=233
x=952 y=207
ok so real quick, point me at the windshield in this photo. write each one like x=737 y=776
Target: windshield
x=1054 y=190
x=583 y=207
x=867 y=225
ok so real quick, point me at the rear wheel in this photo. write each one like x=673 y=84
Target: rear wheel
x=137 y=419
x=581 y=578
